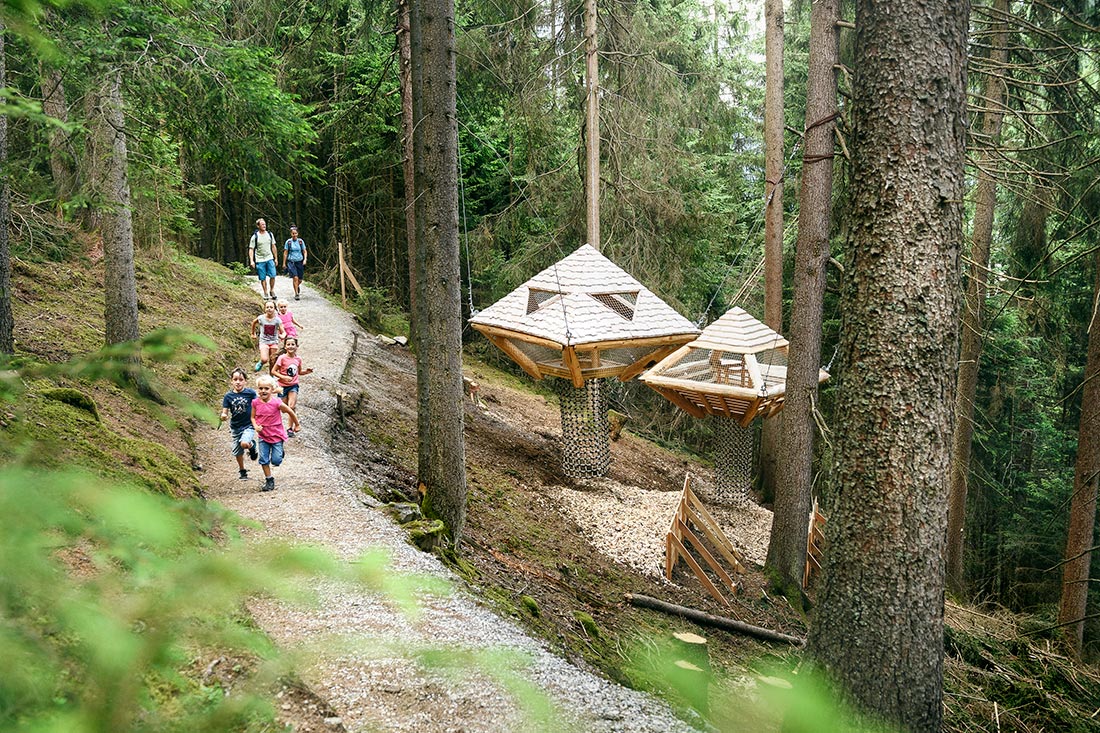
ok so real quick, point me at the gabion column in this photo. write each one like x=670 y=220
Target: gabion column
x=585 y=434
x=732 y=462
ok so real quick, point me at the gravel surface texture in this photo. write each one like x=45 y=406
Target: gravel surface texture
x=373 y=664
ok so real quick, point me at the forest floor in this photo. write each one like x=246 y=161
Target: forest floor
x=538 y=548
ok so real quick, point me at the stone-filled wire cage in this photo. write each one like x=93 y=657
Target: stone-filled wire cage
x=584 y=319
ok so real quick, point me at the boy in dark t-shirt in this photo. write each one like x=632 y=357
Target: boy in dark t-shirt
x=237 y=408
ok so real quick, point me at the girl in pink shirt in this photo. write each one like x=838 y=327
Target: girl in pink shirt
x=267 y=419
x=287 y=369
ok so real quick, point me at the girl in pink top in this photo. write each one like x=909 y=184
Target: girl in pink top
x=267 y=419
x=287 y=317
x=288 y=367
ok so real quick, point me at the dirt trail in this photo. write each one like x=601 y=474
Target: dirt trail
x=368 y=675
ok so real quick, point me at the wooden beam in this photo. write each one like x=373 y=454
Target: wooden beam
x=716 y=622
x=728 y=390
x=639 y=366
x=703 y=519
x=678 y=353
x=518 y=336
x=515 y=354
x=569 y=356
x=636 y=343
x=675 y=398
x=708 y=558
x=752 y=366
x=695 y=568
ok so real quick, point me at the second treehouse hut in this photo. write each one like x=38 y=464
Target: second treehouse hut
x=736 y=371
x=584 y=319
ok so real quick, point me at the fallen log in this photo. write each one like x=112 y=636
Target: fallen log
x=717 y=622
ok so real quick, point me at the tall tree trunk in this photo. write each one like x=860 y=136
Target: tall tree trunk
x=116 y=225
x=794 y=474
x=407 y=163
x=55 y=104
x=1086 y=483
x=7 y=319
x=773 y=215
x=878 y=632
x=592 y=126
x=970 y=350
x=441 y=464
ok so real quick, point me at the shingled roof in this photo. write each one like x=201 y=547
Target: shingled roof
x=584 y=299
x=737 y=368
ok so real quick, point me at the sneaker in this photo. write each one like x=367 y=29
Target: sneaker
x=258 y=367
x=290 y=433
x=243 y=475
x=252 y=452
x=269 y=484
x=297 y=296
x=274 y=296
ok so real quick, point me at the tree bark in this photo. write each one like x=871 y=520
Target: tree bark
x=441 y=455
x=773 y=216
x=970 y=350
x=7 y=319
x=115 y=220
x=592 y=126
x=1086 y=483
x=404 y=53
x=55 y=104
x=878 y=633
x=794 y=474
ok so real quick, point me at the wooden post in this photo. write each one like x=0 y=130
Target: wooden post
x=340 y=257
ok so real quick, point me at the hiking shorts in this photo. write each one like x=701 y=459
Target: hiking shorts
x=296 y=269
x=246 y=434
x=287 y=390
x=265 y=270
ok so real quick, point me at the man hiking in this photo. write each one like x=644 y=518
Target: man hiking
x=261 y=255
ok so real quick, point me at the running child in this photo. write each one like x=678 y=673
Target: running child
x=289 y=324
x=237 y=408
x=287 y=369
x=268 y=331
x=267 y=419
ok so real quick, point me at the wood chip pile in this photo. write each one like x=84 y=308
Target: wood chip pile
x=629 y=524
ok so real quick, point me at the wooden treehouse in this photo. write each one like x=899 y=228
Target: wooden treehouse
x=584 y=318
x=736 y=368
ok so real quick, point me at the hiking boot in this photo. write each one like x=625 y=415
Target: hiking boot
x=269 y=484
x=243 y=475
x=252 y=452
x=290 y=433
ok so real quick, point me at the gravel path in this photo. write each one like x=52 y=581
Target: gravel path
x=368 y=671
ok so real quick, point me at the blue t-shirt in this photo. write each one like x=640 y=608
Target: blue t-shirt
x=239 y=405
x=295 y=250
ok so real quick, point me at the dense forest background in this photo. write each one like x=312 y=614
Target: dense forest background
x=293 y=111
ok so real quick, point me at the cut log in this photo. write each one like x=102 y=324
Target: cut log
x=718 y=622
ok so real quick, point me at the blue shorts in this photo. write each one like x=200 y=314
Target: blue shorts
x=287 y=390
x=265 y=270
x=271 y=453
x=247 y=434
x=296 y=269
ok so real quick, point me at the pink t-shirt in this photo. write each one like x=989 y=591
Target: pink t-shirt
x=270 y=420
x=288 y=324
x=290 y=366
